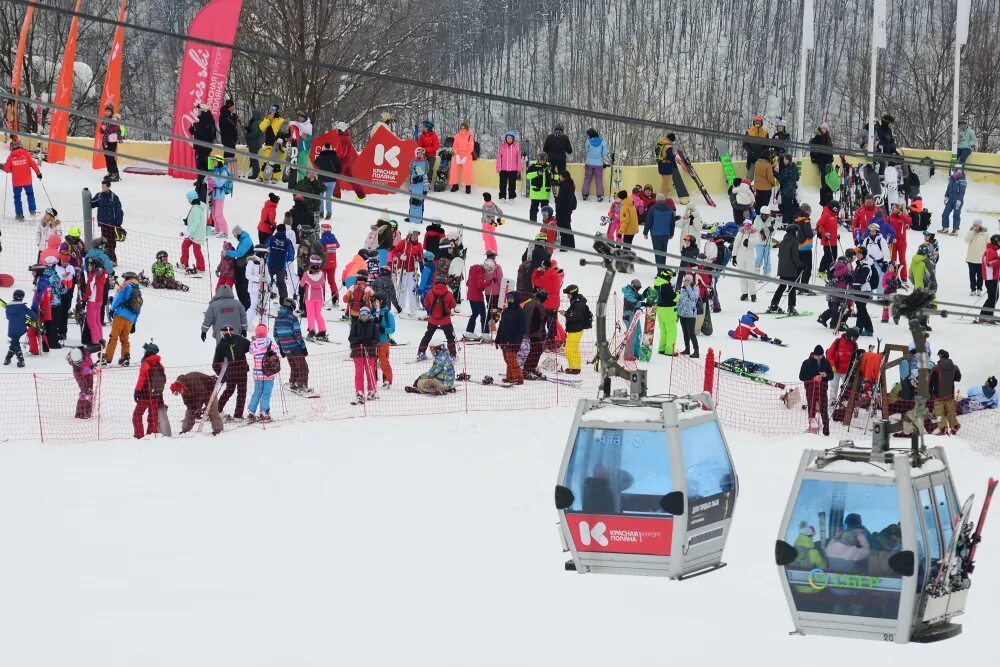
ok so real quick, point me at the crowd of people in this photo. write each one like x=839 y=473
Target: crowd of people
x=292 y=269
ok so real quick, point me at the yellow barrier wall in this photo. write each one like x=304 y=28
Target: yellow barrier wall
x=485 y=176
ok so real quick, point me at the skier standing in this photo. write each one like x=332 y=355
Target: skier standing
x=20 y=164
x=271 y=128
x=220 y=184
x=954 y=198
x=763 y=179
x=93 y=295
x=744 y=255
x=593 y=169
x=18 y=315
x=111 y=135
x=789 y=269
x=578 y=319
x=313 y=284
x=280 y=253
x=534 y=320
x=477 y=301
x=288 y=333
x=197 y=231
x=510 y=332
x=148 y=393
x=363 y=339
x=899 y=221
x=232 y=348
x=539 y=179
x=266 y=365
x=492 y=217
x=109 y=217
x=840 y=354
x=509 y=165
x=125 y=310
x=268 y=218
x=228 y=131
x=815 y=374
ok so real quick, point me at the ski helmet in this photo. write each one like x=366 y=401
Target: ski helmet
x=852 y=334
x=991 y=382
x=51 y=212
x=95 y=262
x=151 y=348
x=923 y=249
x=753 y=316
x=74 y=232
x=19 y=295
x=873 y=227
x=428 y=256
x=75 y=355
x=834 y=206
x=765 y=210
x=995 y=240
x=758 y=118
x=547 y=212
x=541 y=295
x=161 y=256
x=261 y=331
x=227 y=328
x=542 y=155
x=129 y=275
x=51 y=260
x=365 y=313
x=289 y=303
x=315 y=260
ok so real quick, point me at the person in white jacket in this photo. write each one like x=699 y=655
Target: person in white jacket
x=763 y=225
x=689 y=223
x=744 y=258
x=977 y=237
x=255 y=276
x=48 y=226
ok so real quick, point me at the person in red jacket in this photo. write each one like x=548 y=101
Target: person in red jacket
x=19 y=165
x=827 y=228
x=549 y=277
x=840 y=354
x=345 y=150
x=439 y=303
x=428 y=140
x=899 y=220
x=991 y=274
x=148 y=393
x=862 y=218
x=406 y=256
x=475 y=293
x=268 y=218
x=550 y=229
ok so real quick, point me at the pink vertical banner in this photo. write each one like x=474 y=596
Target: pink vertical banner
x=204 y=71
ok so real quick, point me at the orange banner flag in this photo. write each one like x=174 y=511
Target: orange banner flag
x=15 y=74
x=59 y=124
x=112 y=86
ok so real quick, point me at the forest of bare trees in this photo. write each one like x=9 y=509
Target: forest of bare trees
x=689 y=62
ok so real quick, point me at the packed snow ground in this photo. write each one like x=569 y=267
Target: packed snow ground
x=318 y=543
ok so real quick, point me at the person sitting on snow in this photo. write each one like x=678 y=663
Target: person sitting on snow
x=748 y=329
x=163 y=273
x=982 y=397
x=440 y=379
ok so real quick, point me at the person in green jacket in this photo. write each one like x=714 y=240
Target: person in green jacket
x=539 y=183
x=922 y=269
x=255 y=139
x=966 y=140
x=666 y=310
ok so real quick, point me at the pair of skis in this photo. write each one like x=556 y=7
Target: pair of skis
x=959 y=559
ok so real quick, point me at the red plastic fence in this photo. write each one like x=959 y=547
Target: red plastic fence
x=41 y=405
x=774 y=411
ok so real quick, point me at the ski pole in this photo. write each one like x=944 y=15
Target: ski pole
x=47 y=198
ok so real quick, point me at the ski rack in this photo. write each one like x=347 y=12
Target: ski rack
x=608 y=365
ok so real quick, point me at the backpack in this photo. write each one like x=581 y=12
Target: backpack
x=134 y=302
x=228 y=187
x=438 y=301
x=156 y=380
x=588 y=317
x=271 y=363
x=371 y=241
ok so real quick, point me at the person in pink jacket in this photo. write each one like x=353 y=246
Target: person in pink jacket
x=510 y=165
x=493 y=283
x=313 y=284
x=462 y=160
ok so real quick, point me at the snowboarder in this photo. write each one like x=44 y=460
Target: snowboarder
x=125 y=310
x=840 y=354
x=510 y=332
x=327 y=161
x=163 y=273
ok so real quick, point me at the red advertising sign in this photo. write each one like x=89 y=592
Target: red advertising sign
x=317 y=144
x=621 y=534
x=385 y=161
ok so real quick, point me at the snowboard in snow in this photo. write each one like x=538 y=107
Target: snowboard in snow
x=683 y=161
x=727 y=161
x=743 y=364
x=648 y=330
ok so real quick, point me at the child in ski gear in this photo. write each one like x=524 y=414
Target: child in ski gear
x=922 y=270
x=363 y=339
x=549 y=277
x=386 y=327
x=977 y=238
x=149 y=392
x=195 y=390
x=439 y=303
x=747 y=329
x=18 y=315
x=226 y=270
x=125 y=313
x=890 y=285
x=280 y=255
x=578 y=319
x=266 y=365
x=539 y=178
x=840 y=278
x=510 y=333
x=268 y=218
x=614 y=220
x=440 y=378
x=815 y=374
x=491 y=218
x=93 y=295
x=475 y=287
x=687 y=311
x=82 y=365
x=220 y=184
x=314 y=284
x=19 y=165
x=197 y=231
x=330 y=247
x=48 y=227
x=943 y=379
x=385 y=288
x=288 y=333
x=427 y=273
x=666 y=311
x=163 y=273
x=991 y=274
x=359 y=295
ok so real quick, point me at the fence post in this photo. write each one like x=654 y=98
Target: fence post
x=96 y=399
x=88 y=230
x=38 y=405
x=465 y=369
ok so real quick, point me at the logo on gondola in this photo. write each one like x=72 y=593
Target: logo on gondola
x=595 y=533
x=819 y=580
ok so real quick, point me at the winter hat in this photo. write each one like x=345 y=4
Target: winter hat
x=18 y=295
x=852 y=333
x=558 y=128
x=51 y=260
x=151 y=348
x=622 y=194
x=635 y=284
x=991 y=382
x=191 y=196
x=428 y=125
x=571 y=289
x=824 y=126
x=55 y=214
x=428 y=256
x=943 y=354
x=541 y=295
x=487 y=196
x=273 y=197
x=852 y=520
x=227 y=327
x=237 y=230
x=818 y=350
x=176 y=388
x=592 y=133
x=260 y=331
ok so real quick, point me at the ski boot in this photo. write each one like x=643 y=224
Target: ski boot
x=454 y=188
x=485 y=337
x=372 y=396
x=422 y=356
x=6 y=360
x=792 y=311
x=19 y=218
x=774 y=310
x=321 y=337
x=124 y=361
x=265 y=417
x=468 y=189
x=190 y=271
x=600 y=199
x=251 y=418
x=468 y=335
x=744 y=297
x=753 y=298
x=359 y=398
x=20 y=360
x=386 y=386
x=311 y=336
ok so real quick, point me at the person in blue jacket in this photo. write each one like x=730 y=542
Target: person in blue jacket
x=983 y=397
x=386 y=327
x=244 y=248
x=110 y=217
x=593 y=164
x=954 y=197
x=123 y=319
x=660 y=225
x=18 y=315
x=426 y=275
x=288 y=335
x=280 y=254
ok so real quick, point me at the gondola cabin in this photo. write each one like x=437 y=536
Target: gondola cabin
x=862 y=541
x=646 y=489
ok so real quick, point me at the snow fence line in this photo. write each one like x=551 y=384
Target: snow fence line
x=782 y=411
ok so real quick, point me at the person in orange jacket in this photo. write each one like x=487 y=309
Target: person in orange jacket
x=19 y=165
x=463 y=147
x=268 y=218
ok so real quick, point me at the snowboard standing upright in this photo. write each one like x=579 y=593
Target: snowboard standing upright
x=648 y=330
x=291 y=174
x=683 y=161
x=727 y=161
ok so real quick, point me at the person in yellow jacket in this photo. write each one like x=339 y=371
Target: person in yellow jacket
x=270 y=128
x=763 y=179
x=463 y=147
x=754 y=150
x=810 y=557
x=628 y=217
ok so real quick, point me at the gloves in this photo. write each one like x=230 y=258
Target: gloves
x=39 y=177
x=734 y=261
x=204 y=335
x=132 y=330
x=135 y=396
x=765 y=337
x=826 y=235
x=418 y=179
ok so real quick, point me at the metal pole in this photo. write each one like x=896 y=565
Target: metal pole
x=954 y=97
x=800 y=113
x=88 y=231
x=871 y=87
